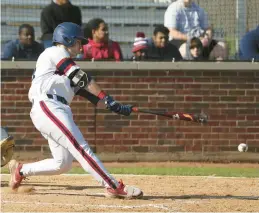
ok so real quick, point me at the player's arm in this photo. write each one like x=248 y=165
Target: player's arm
x=66 y=66
x=84 y=81
x=89 y=96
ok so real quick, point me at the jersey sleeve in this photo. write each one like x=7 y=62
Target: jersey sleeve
x=65 y=65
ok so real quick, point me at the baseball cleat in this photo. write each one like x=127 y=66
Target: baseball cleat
x=16 y=178
x=124 y=191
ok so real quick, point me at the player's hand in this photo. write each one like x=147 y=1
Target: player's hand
x=117 y=107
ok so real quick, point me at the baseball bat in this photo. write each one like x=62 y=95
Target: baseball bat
x=196 y=117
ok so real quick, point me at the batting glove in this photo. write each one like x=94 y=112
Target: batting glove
x=117 y=107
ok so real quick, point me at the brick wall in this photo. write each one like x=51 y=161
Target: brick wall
x=231 y=98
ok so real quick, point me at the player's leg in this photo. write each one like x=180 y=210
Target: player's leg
x=60 y=163
x=63 y=130
x=66 y=132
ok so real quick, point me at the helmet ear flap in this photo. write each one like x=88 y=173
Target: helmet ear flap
x=69 y=41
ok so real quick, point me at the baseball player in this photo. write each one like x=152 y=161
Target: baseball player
x=57 y=78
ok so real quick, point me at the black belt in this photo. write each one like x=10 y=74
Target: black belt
x=59 y=98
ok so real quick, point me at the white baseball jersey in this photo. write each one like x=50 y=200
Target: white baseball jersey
x=54 y=119
x=50 y=76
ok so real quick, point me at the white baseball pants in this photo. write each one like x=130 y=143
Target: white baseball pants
x=55 y=122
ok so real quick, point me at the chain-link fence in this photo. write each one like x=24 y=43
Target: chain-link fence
x=229 y=18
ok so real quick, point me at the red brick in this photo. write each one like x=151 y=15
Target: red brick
x=205 y=80
x=183 y=92
x=252 y=92
x=147 y=142
x=193 y=86
x=122 y=135
x=245 y=86
x=220 y=129
x=140 y=148
x=246 y=136
x=211 y=98
x=105 y=149
x=252 y=117
x=227 y=123
x=104 y=136
x=192 y=135
x=253 y=129
x=227 y=136
x=139 y=135
x=166 y=80
x=176 y=73
x=237 y=129
x=193 y=98
x=219 y=142
x=211 y=73
x=13 y=86
x=119 y=149
x=218 y=92
x=139 y=86
x=211 y=148
x=158 y=149
x=230 y=123
x=184 y=80
x=130 y=142
x=246 y=99
x=193 y=148
x=147 y=117
x=165 y=86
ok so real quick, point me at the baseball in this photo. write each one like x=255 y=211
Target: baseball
x=242 y=147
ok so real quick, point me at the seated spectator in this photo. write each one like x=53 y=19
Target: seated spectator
x=249 y=45
x=25 y=47
x=139 y=49
x=192 y=50
x=57 y=12
x=159 y=49
x=185 y=20
x=213 y=49
x=99 y=46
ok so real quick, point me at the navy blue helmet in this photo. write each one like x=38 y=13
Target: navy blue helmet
x=66 y=33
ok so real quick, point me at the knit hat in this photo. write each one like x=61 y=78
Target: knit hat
x=140 y=42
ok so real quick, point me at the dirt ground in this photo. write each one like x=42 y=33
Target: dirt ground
x=81 y=193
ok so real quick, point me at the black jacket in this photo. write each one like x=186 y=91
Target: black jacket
x=162 y=54
x=53 y=14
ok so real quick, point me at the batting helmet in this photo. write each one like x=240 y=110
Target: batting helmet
x=66 y=33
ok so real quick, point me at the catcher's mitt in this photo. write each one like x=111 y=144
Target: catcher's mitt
x=7 y=147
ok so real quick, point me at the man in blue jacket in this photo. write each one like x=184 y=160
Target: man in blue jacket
x=25 y=47
x=249 y=45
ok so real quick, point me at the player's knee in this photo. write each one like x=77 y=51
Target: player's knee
x=63 y=166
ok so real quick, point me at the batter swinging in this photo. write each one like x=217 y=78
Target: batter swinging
x=55 y=82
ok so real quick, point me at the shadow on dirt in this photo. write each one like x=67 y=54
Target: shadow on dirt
x=147 y=197
x=182 y=197
x=55 y=186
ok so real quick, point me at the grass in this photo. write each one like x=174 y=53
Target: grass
x=175 y=171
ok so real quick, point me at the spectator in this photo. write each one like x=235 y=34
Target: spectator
x=25 y=47
x=213 y=49
x=139 y=49
x=99 y=46
x=192 y=50
x=185 y=20
x=57 y=12
x=249 y=45
x=159 y=49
